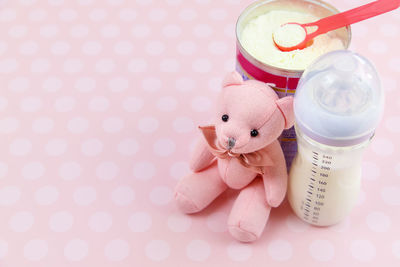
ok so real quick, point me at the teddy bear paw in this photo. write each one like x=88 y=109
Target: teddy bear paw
x=242 y=234
x=185 y=204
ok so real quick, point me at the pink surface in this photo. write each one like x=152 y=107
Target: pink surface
x=99 y=106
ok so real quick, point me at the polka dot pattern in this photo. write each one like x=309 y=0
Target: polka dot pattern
x=99 y=110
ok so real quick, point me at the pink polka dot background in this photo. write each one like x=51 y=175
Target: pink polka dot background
x=100 y=100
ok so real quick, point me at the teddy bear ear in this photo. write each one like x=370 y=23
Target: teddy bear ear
x=285 y=105
x=232 y=78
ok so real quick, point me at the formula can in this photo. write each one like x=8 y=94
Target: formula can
x=283 y=81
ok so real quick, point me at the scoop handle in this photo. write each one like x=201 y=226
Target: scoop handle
x=352 y=16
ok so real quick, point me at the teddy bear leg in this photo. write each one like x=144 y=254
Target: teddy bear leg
x=197 y=190
x=249 y=213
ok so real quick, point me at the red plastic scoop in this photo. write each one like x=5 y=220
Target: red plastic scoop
x=292 y=36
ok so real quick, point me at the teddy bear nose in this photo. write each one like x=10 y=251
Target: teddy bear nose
x=231 y=143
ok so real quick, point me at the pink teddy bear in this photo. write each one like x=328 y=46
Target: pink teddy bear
x=241 y=151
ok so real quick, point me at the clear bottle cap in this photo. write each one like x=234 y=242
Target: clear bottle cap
x=339 y=100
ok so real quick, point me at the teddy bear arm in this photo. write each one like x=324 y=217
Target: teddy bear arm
x=201 y=157
x=275 y=184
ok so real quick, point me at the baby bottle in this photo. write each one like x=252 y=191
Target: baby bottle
x=338 y=104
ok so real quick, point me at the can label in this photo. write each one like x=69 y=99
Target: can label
x=283 y=86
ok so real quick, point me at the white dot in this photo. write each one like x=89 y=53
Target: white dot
x=3 y=103
x=3 y=249
x=360 y=30
x=389 y=30
x=342 y=226
x=217 y=221
x=137 y=65
x=28 y=48
x=118 y=84
x=128 y=147
x=49 y=30
x=151 y=84
x=389 y=83
x=179 y=169
x=105 y=66
x=382 y=147
x=391 y=195
x=179 y=223
x=33 y=170
x=3 y=47
x=157 y=250
x=187 y=14
x=85 y=195
x=198 y=250
x=187 y=47
x=61 y=221
x=8 y=65
x=77 y=125
x=56 y=147
x=230 y=30
x=73 y=65
x=19 y=84
x=85 y=2
x=85 y=84
x=3 y=169
x=173 y=2
x=183 y=125
x=46 y=195
x=76 y=250
x=42 y=125
x=7 y=14
x=100 y=222
x=79 y=31
x=110 y=31
x=21 y=221
x=161 y=195
x=17 y=31
x=99 y=103
x=127 y=14
x=56 y=2
x=322 y=250
x=396 y=248
x=362 y=250
x=140 y=222
x=144 y=170
x=123 y=48
x=140 y=30
x=67 y=14
x=397 y=169
x=31 y=104
x=148 y=124
x=167 y=103
x=113 y=124
x=217 y=14
x=172 y=30
x=378 y=221
x=394 y=64
x=280 y=250
x=92 y=147
x=217 y=48
x=107 y=170
x=60 y=48
x=155 y=48
x=157 y=14
x=9 y=195
x=144 y=2
x=117 y=250
x=40 y=65
x=393 y=124
x=52 y=84
x=35 y=250
x=123 y=196
x=202 y=30
x=370 y=170
x=229 y=64
x=69 y=170
x=20 y=147
x=132 y=104
x=377 y=47
x=295 y=224
x=185 y=84
x=9 y=125
x=98 y=14
x=239 y=251
x=201 y=104
x=164 y=147
x=37 y=14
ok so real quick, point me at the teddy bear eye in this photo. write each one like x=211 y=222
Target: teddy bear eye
x=225 y=118
x=254 y=133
